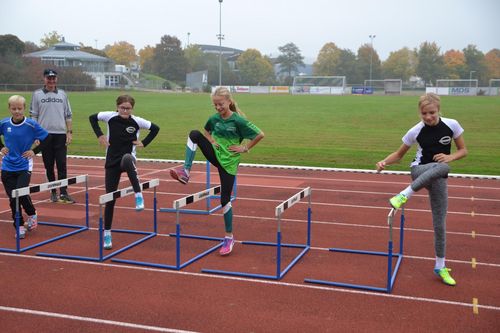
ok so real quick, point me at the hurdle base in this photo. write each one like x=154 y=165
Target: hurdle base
x=279 y=274
x=53 y=239
x=178 y=266
x=391 y=276
x=100 y=258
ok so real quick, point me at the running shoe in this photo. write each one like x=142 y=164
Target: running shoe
x=398 y=201
x=179 y=174
x=108 y=244
x=53 y=196
x=139 y=203
x=22 y=232
x=32 y=222
x=66 y=199
x=227 y=246
x=444 y=274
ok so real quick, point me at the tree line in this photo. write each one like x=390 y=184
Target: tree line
x=168 y=59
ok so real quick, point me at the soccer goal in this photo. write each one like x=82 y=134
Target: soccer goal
x=387 y=86
x=322 y=85
x=494 y=87
x=456 y=87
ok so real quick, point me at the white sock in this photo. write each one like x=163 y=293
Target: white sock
x=107 y=232
x=407 y=192
x=138 y=195
x=439 y=263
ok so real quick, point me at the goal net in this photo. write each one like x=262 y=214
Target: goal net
x=456 y=87
x=494 y=87
x=387 y=86
x=325 y=85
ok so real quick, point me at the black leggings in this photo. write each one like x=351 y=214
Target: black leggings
x=56 y=153
x=18 y=179
x=112 y=179
x=226 y=179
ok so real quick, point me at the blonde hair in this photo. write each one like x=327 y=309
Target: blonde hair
x=223 y=91
x=16 y=98
x=428 y=99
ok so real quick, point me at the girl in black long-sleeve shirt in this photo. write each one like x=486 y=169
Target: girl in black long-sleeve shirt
x=121 y=142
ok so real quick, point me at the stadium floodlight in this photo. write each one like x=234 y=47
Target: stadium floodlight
x=220 y=36
x=371 y=54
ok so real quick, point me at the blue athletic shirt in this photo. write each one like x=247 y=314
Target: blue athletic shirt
x=19 y=138
x=432 y=140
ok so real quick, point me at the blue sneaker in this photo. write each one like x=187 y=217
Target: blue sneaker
x=107 y=242
x=139 y=203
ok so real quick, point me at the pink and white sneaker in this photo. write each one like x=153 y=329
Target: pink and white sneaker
x=227 y=246
x=179 y=174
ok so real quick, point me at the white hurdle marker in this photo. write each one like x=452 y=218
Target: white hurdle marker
x=179 y=203
x=126 y=191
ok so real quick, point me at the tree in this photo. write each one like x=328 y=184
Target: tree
x=346 y=66
x=168 y=60
x=146 y=55
x=289 y=60
x=454 y=61
x=327 y=60
x=10 y=44
x=122 y=53
x=474 y=60
x=50 y=39
x=195 y=58
x=254 y=68
x=399 y=65
x=430 y=62
x=492 y=61
x=368 y=57
x=30 y=47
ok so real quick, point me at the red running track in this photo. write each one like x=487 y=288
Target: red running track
x=39 y=294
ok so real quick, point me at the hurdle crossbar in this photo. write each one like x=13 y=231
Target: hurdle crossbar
x=103 y=199
x=391 y=273
x=178 y=204
x=17 y=193
x=280 y=209
x=208 y=199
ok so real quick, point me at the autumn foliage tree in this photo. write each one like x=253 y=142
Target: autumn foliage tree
x=122 y=53
x=492 y=61
x=454 y=61
x=400 y=65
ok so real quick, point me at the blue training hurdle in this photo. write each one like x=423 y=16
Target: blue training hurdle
x=305 y=247
x=178 y=204
x=208 y=209
x=391 y=274
x=102 y=200
x=17 y=193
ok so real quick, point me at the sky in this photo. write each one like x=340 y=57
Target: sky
x=264 y=25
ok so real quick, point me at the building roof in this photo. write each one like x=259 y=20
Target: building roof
x=227 y=52
x=65 y=50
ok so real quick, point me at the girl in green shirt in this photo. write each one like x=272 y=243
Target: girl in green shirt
x=221 y=143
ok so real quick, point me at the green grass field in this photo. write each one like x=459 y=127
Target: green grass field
x=323 y=131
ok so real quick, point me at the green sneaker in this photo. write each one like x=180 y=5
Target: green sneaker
x=398 y=201
x=444 y=274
